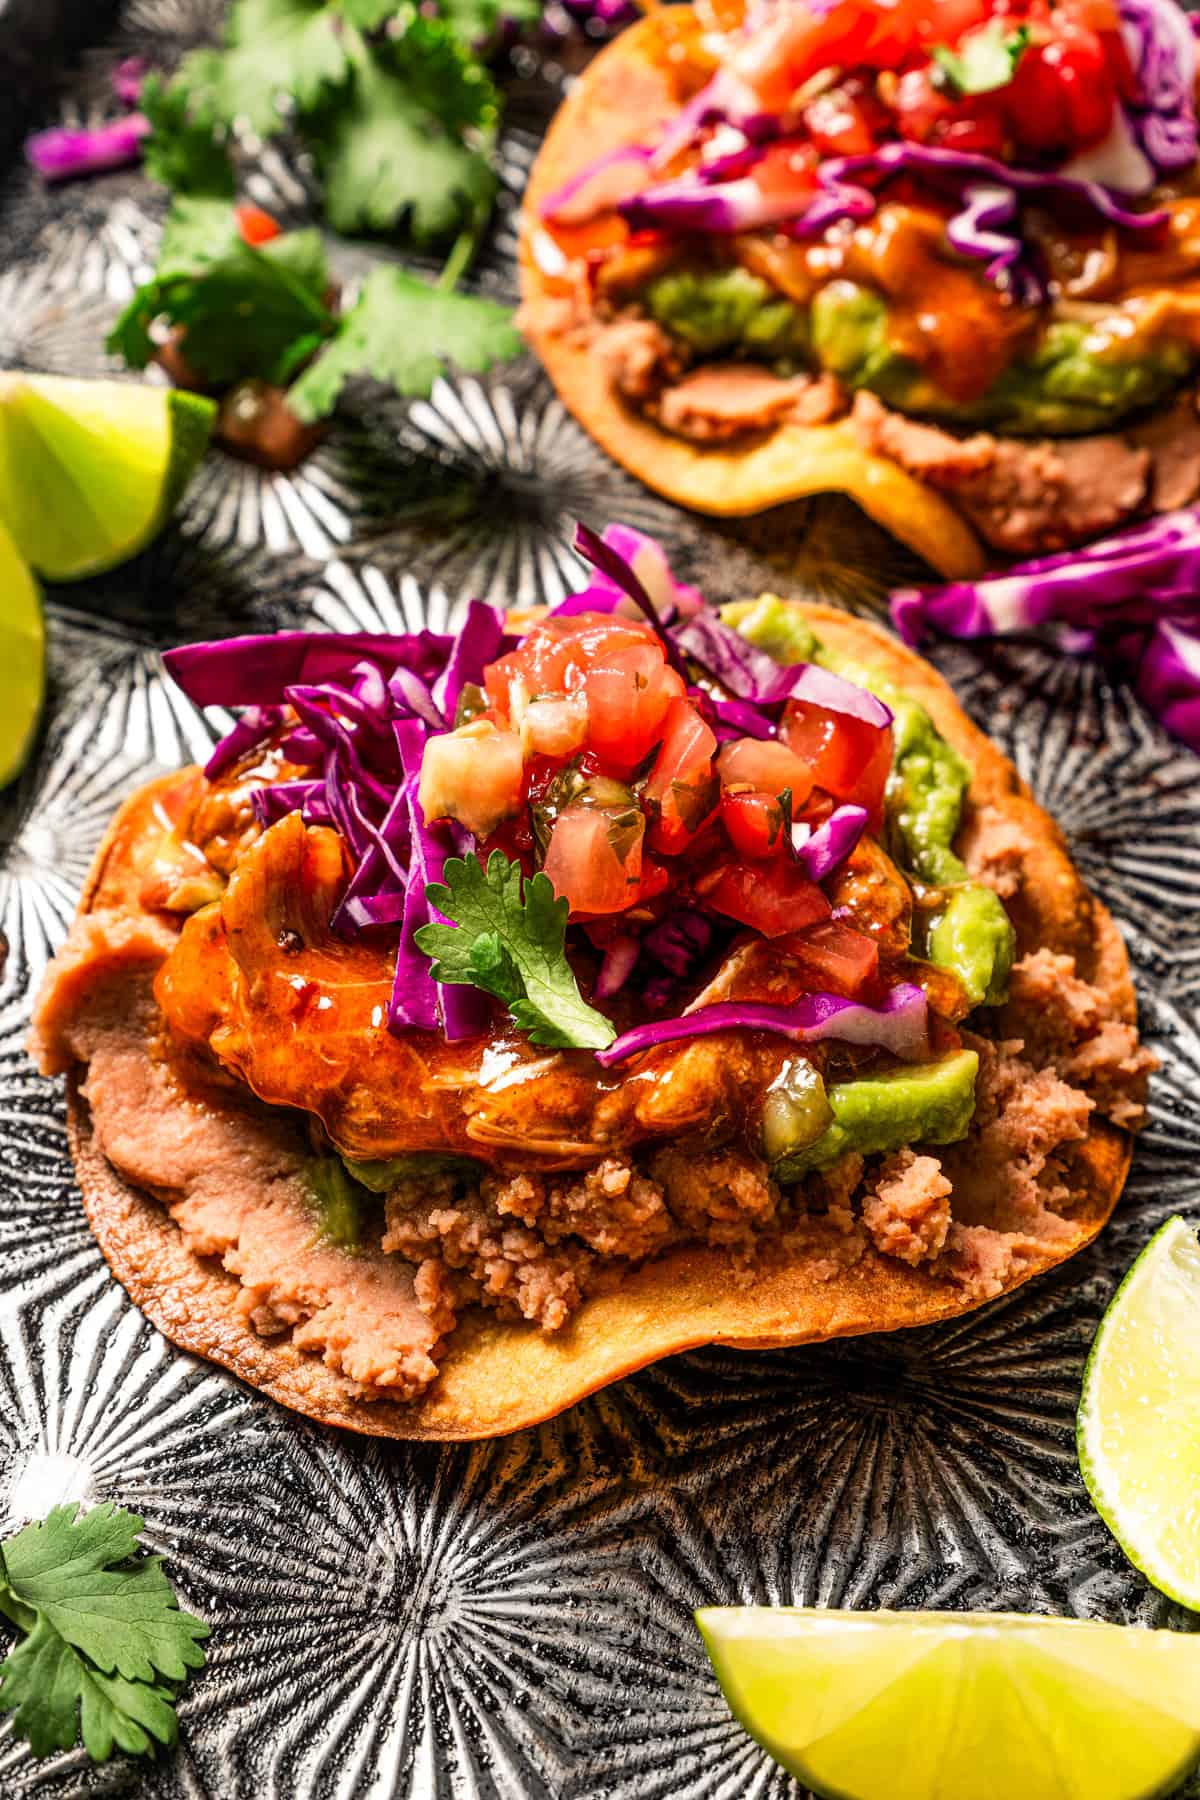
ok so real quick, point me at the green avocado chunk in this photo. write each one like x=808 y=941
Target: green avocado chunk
x=929 y=1103
x=771 y=624
x=385 y=1173
x=338 y=1202
x=973 y=938
x=728 y=310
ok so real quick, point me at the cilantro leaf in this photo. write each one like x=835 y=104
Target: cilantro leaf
x=985 y=60
x=368 y=15
x=292 y=50
x=53 y=1692
x=441 y=74
x=386 y=158
x=404 y=332
x=476 y=22
x=106 y=1642
x=247 y=311
x=508 y=938
x=185 y=153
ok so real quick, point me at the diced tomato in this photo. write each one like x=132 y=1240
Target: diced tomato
x=255 y=226
x=681 y=788
x=835 y=958
x=798 y=41
x=755 y=822
x=628 y=689
x=849 y=758
x=927 y=115
x=785 y=171
x=1063 y=94
x=773 y=898
x=846 y=121
x=655 y=880
x=769 y=765
x=596 y=860
x=554 y=657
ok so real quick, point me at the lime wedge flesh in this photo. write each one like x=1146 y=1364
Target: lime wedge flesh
x=22 y=659
x=91 y=470
x=1139 y=1417
x=960 y=1706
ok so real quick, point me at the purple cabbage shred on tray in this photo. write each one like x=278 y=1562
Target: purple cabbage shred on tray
x=1132 y=599
x=65 y=151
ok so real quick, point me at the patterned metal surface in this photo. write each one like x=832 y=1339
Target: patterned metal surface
x=513 y=1619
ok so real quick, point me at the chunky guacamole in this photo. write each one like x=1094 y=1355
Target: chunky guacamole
x=1078 y=377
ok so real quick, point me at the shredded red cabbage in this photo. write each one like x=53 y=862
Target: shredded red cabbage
x=619 y=959
x=755 y=678
x=623 y=577
x=821 y=849
x=604 y=184
x=680 y=941
x=987 y=228
x=1162 y=51
x=900 y=1025
x=847 y=190
x=1132 y=598
x=68 y=150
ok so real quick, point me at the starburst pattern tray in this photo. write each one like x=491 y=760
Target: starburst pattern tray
x=512 y=1619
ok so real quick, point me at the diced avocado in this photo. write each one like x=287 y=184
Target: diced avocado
x=1074 y=381
x=930 y=1103
x=849 y=326
x=795 y=1110
x=385 y=1173
x=773 y=625
x=727 y=310
x=973 y=939
x=338 y=1203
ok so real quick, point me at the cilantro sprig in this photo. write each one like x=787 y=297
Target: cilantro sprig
x=397 y=108
x=106 y=1646
x=509 y=939
x=985 y=60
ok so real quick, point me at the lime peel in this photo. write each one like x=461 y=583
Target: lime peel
x=960 y=1706
x=1139 y=1414
x=91 y=470
x=22 y=659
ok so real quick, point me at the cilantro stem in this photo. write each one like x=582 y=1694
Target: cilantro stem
x=462 y=253
x=465 y=246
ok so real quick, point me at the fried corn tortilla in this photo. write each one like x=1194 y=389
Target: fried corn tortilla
x=617 y=100
x=496 y=1377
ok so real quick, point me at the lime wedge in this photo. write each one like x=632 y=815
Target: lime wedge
x=91 y=470
x=22 y=659
x=960 y=1706
x=1139 y=1417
